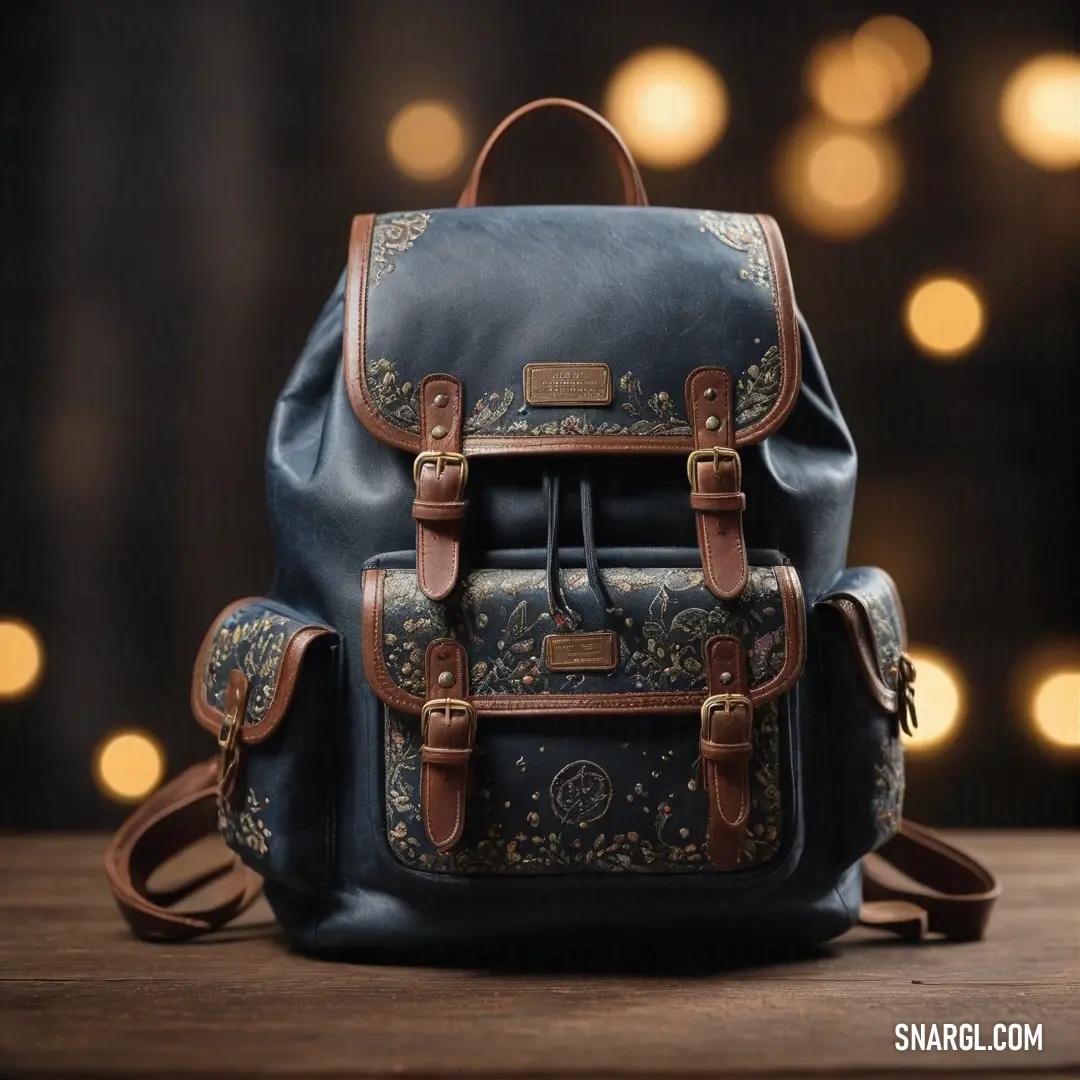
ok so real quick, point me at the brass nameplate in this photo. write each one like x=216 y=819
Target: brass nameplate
x=568 y=384
x=598 y=651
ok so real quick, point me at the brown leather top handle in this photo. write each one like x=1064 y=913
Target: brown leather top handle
x=633 y=188
x=183 y=811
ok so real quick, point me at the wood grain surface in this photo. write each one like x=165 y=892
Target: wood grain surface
x=79 y=996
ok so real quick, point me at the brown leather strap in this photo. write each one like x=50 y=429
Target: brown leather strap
x=947 y=890
x=715 y=482
x=178 y=814
x=440 y=474
x=727 y=719
x=633 y=188
x=449 y=731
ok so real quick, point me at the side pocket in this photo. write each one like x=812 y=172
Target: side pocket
x=277 y=806
x=867 y=676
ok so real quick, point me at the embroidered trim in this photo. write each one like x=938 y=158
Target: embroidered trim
x=742 y=232
x=393 y=236
x=253 y=640
x=243 y=827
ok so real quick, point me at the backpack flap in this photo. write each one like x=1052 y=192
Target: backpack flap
x=494 y=673
x=571 y=329
x=265 y=684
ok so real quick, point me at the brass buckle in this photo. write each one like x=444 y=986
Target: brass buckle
x=724 y=702
x=448 y=704
x=441 y=459
x=717 y=453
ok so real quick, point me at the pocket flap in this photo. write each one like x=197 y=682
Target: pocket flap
x=662 y=619
x=572 y=329
x=267 y=642
x=867 y=600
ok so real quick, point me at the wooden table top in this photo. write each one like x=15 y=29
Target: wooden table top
x=79 y=996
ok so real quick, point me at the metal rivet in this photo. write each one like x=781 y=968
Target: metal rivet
x=446 y=679
x=710 y=394
x=726 y=677
x=439 y=432
x=440 y=401
x=713 y=423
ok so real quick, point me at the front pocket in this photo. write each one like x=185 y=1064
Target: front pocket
x=276 y=807
x=867 y=678
x=589 y=763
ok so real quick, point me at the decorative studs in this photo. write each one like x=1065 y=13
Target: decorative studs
x=446 y=679
x=710 y=394
x=726 y=677
x=440 y=401
x=712 y=423
x=439 y=432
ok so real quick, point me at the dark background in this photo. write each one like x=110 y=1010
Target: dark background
x=178 y=183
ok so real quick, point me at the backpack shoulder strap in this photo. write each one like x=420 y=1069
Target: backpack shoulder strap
x=947 y=891
x=175 y=816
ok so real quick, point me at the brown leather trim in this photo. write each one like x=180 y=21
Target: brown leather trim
x=354 y=358
x=211 y=718
x=354 y=340
x=788 y=330
x=856 y=619
x=719 y=508
x=726 y=748
x=510 y=705
x=448 y=745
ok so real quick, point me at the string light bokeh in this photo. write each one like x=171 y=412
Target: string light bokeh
x=670 y=105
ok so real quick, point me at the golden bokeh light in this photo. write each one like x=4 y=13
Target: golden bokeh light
x=852 y=87
x=944 y=316
x=670 y=105
x=22 y=658
x=896 y=46
x=128 y=764
x=939 y=699
x=426 y=140
x=1039 y=110
x=1055 y=708
x=839 y=183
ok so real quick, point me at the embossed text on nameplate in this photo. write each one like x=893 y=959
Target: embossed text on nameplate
x=597 y=651
x=568 y=384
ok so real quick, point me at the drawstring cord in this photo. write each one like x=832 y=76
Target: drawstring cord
x=595 y=607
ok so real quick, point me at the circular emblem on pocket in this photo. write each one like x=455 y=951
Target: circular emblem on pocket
x=580 y=793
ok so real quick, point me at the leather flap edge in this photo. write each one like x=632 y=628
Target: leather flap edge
x=268 y=647
x=651 y=703
x=868 y=603
x=354 y=364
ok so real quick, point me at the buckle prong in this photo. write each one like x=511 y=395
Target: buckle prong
x=441 y=458
x=449 y=705
x=718 y=454
x=723 y=702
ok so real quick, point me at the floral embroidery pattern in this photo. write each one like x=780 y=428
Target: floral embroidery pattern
x=506 y=832
x=243 y=827
x=742 y=232
x=253 y=639
x=657 y=413
x=756 y=391
x=502 y=617
x=888 y=789
x=391 y=237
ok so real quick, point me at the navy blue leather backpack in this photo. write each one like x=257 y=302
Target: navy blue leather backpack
x=562 y=643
